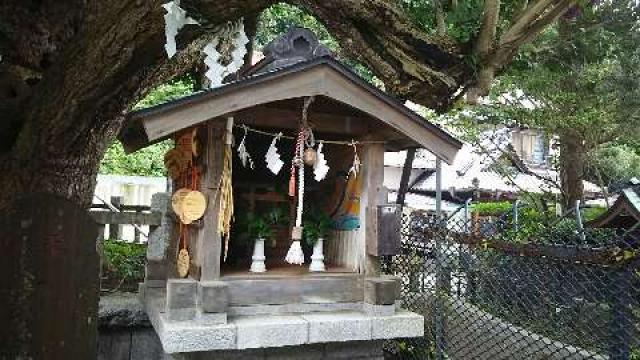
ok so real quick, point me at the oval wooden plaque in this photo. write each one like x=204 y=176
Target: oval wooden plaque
x=193 y=205
x=183 y=263
x=178 y=199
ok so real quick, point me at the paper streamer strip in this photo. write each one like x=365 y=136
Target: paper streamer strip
x=174 y=20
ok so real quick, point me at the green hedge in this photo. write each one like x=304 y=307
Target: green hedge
x=491 y=208
x=123 y=261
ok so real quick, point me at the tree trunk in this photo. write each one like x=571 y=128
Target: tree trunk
x=572 y=165
x=71 y=69
x=108 y=55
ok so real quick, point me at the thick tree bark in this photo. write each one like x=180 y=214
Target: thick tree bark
x=71 y=69
x=110 y=56
x=572 y=165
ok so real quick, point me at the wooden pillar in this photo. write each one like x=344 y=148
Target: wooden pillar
x=208 y=241
x=115 y=229
x=372 y=195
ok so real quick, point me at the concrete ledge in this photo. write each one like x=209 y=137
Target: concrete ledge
x=378 y=310
x=190 y=336
x=211 y=318
x=336 y=327
x=288 y=309
x=351 y=350
x=401 y=325
x=271 y=331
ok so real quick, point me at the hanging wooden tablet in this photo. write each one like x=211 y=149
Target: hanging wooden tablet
x=183 y=263
x=193 y=206
x=177 y=202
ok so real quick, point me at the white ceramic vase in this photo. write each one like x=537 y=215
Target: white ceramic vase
x=257 y=264
x=317 y=258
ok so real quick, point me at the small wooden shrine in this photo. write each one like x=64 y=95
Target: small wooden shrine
x=624 y=213
x=286 y=155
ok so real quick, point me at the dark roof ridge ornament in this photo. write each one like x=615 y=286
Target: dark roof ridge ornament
x=296 y=45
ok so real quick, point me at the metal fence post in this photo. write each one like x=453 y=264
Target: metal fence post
x=441 y=278
x=466 y=215
x=579 y=221
x=515 y=215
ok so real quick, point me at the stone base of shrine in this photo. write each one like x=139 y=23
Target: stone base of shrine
x=349 y=350
x=326 y=333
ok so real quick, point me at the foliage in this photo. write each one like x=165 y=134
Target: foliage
x=578 y=81
x=592 y=213
x=277 y=19
x=258 y=227
x=277 y=216
x=491 y=208
x=124 y=260
x=144 y=162
x=317 y=227
x=166 y=92
x=150 y=160
x=615 y=165
x=544 y=227
x=462 y=21
x=262 y=226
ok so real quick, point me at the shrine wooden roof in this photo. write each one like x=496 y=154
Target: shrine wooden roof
x=624 y=213
x=270 y=95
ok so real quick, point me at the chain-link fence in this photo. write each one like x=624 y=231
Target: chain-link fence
x=533 y=292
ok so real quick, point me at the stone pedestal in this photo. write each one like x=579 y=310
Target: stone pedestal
x=349 y=350
x=257 y=264
x=317 y=258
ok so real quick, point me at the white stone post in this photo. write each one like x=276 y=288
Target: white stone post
x=257 y=265
x=317 y=258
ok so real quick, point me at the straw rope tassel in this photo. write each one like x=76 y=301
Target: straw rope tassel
x=295 y=254
x=225 y=214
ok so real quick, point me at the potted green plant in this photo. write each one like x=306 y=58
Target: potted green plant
x=315 y=231
x=277 y=219
x=258 y=229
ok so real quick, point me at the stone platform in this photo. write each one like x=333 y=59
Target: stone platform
x=350 y=350
x=321 y=324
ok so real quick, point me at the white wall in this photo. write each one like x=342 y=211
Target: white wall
x=135 y=190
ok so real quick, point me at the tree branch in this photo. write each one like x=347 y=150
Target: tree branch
x=487 y=33
x=529 y=25
x=526 y=27
x=441 y=26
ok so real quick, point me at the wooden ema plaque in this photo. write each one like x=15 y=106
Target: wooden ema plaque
x=183 y=263
x=193 y=205
x=189 y=205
